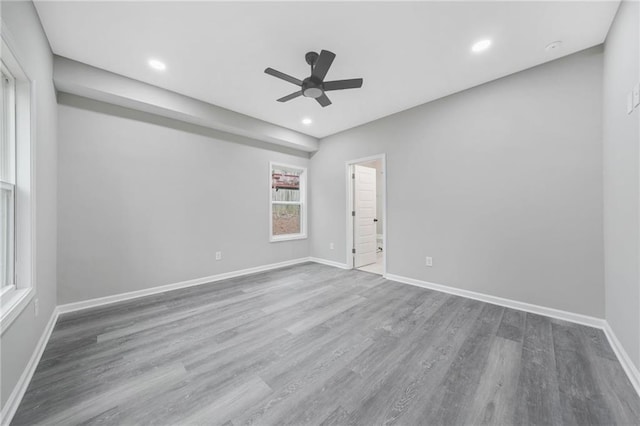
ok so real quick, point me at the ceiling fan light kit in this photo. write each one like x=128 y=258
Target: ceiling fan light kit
x=314 y=86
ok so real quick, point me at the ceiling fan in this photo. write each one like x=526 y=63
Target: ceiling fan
x=314 y=86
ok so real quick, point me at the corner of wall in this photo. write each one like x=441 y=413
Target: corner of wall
x=30 y=45
x=621 y=171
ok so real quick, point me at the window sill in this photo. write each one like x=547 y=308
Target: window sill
x=12 y=305
x=287 y=238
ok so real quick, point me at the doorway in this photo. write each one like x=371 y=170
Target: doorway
x=366 y=214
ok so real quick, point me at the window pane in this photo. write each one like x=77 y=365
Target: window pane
x=4 y=140
x=285 y=184
x=6 y=237
x=286 y=219
x=7 y=122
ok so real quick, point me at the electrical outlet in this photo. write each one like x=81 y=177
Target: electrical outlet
x=428 y=261
x=36 y=306
x=331 y=246
x=218 y=255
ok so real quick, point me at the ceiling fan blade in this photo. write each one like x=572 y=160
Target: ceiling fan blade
x=291 y=96
x=322 y=64
x=354 y=83
x=323 y=100
x=283 y=76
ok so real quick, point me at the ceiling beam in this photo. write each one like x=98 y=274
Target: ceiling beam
x=84 y=80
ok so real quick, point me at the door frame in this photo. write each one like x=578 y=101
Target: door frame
x=350 y=205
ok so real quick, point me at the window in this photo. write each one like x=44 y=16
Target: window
x=17 y=219
x=288 y=213
x=7 y=179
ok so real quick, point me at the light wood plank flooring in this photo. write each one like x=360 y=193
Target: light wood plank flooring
x=311 y=344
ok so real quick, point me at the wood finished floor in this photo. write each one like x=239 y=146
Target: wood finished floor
x=311 y=344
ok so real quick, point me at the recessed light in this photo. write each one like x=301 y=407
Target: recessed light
x=553 y=46
x=306 y=121
x=481 y=45
x=157 y=65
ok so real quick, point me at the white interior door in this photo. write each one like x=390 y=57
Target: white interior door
x=364 y=226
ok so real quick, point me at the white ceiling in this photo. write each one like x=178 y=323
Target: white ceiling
x=408 y=53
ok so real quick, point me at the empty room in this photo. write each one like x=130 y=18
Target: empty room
x=320 y=213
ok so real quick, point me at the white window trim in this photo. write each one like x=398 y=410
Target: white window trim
x=12 y=209
x=303 y=204
x=14 y=299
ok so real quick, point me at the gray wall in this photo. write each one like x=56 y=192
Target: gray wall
x=501 y=184
x=32 y=48
x=621 y=179
x=146 y=201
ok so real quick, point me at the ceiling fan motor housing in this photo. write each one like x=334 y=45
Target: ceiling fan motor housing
x=312 y=87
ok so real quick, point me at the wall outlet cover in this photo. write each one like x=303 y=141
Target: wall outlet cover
x=429 y=261
x=218 y=255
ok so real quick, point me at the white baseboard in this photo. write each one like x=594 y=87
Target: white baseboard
x=11 y=406
x=509 y=303
x=630 y=369
x=329 y=263
x=19 y=390
x=623 y=357
x=107 y=300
